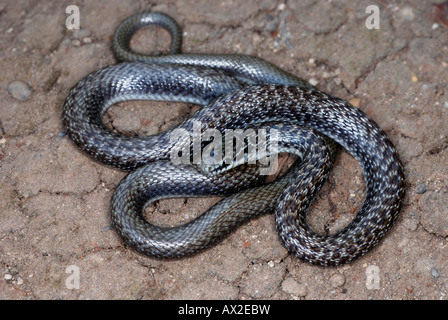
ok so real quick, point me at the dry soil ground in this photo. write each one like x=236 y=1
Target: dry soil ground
x=54 y=208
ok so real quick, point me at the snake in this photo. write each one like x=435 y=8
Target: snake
x=235 y=91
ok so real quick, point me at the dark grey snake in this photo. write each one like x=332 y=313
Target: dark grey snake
x=236 y=91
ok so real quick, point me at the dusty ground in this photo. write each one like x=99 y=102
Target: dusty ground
x=54 y=199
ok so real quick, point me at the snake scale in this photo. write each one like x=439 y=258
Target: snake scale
x=235 y=91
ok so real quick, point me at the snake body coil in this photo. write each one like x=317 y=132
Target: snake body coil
x=236 y=92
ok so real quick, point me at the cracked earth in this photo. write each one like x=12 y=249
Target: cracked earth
x=54 y=208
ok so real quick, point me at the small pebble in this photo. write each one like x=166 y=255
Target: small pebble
x=7 y=276
x=62 y=134
x=19 y=90
x=356 y=102
x=313 y=81
x=435 y=273
x=421 y=188
x=337 y=280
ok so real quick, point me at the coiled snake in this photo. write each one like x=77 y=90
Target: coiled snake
x=236 y=92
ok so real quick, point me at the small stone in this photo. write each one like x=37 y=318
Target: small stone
x=19 y=90
x=19 y=281
x=7 y=276
x=313 y=81
x=337 y=280
x=420 y=188
x=356 y=102
x=434 y=272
